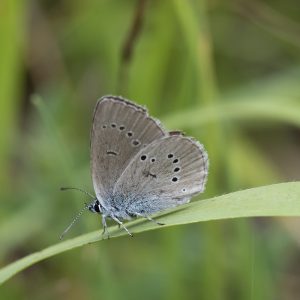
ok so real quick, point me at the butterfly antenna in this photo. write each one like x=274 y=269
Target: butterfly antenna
x=74 y=221
x=77 y=189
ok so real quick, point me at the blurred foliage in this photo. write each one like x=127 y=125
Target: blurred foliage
x=226 y=72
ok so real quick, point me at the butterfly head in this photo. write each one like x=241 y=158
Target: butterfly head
x=95 y=207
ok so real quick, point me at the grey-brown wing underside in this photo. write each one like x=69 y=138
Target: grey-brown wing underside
x=120 y=130
x=166 y=173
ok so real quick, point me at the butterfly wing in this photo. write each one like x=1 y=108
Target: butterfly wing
x=166 y=173
x=120 y=129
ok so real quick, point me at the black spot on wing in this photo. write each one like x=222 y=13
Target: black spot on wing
x=111 y=153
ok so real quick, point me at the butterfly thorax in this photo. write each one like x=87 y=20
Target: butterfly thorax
x=111 y=209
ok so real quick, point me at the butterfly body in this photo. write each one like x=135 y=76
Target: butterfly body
x=114 y=210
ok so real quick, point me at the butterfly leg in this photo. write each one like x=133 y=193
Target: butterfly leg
x=105 y=230
x=122 y=225
x=148 y=218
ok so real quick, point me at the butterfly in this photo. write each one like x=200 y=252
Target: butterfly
x=139 y=168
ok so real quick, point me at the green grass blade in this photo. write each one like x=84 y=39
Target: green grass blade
x=12 y=42
x=275 y=110
x=273 y=200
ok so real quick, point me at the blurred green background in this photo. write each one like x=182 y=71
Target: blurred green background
x=240 y=59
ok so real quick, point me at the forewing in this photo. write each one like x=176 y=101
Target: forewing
x=120 y=129
x=166 y=173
